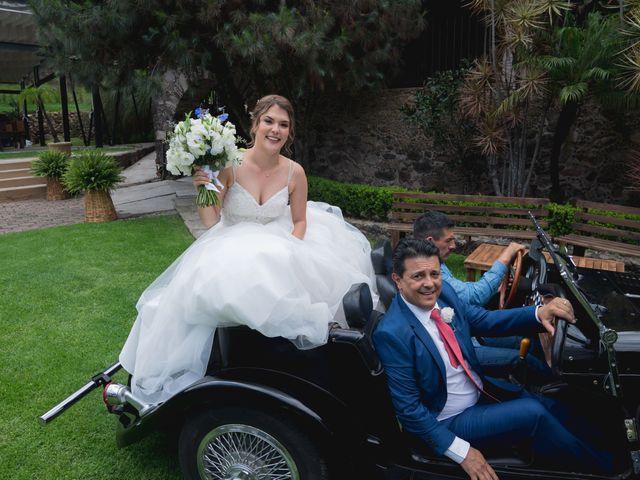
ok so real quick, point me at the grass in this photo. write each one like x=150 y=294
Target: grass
x=76 y=143
x=31 y=154
x=49 y=107
x=66 y=306
x=455 y=263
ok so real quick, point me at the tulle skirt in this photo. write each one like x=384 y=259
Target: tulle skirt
x=248 y=274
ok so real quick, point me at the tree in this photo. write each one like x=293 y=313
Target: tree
x=542 y=57
x=246 y=48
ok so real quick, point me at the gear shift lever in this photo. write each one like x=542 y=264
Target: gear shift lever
x=525 y=345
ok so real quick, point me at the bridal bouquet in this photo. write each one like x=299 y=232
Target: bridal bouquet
x=207 y=141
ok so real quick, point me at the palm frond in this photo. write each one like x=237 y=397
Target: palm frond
x=631 y=70
x=574 y=92
x=596 y=73
x=510 y=103
x=555 y=8
x=553 y=63
x=491 y=137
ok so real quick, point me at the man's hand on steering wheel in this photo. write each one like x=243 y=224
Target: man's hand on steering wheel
x=556 y=308
x=508 y=255
x=512 y=258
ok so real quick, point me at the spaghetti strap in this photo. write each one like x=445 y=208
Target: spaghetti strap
x=233 y=169
x=290 y=172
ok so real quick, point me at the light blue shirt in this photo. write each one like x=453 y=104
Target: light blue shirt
x=480 y=292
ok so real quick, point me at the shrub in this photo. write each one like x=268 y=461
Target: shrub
x=374 y=203
x=92 y=170
x=561 y=218
x=361 y=201
x=51 y=164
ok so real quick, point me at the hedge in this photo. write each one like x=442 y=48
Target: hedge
x=355 y=200
x=374 y=203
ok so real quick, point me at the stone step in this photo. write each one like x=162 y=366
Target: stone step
x=20 y=181
x=13 y=164
x=16 y=172
x=23 y=193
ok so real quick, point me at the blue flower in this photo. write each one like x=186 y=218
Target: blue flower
x=200 y=112
x=223 y=117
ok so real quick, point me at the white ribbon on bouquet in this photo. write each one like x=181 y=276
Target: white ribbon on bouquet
x=214 y=183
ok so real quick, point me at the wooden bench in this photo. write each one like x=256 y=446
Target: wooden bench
x=618 y=235
x=497 y=217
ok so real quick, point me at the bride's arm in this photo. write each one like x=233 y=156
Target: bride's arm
x=209 y=216
x=298 y=201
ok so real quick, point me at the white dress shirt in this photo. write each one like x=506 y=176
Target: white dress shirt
x=461 y=392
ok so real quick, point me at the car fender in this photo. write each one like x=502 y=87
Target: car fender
x=313 y=408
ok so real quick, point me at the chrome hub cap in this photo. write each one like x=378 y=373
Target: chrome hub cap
x=243 y=452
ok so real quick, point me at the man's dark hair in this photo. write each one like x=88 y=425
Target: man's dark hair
x=431 y=224
x=411 y=248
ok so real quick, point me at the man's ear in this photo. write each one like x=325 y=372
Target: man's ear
x=429 y=238
x=396 y=279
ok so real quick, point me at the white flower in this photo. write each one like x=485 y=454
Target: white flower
x=447 y=314
x=202 y=141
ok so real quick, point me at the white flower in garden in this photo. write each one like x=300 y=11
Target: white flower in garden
x=447 y=314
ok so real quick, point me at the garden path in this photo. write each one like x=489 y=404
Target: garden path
x=141 y=193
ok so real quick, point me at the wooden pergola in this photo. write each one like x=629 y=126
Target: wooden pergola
x=21 y=64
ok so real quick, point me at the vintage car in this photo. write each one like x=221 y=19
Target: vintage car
x=266 y=410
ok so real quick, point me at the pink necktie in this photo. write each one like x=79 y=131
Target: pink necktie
x=452 y=347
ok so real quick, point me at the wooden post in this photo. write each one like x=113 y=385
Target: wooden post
x=65 y=109
x=25 y=114
x=97 y=117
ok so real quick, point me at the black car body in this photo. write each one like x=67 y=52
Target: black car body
x=268 y=410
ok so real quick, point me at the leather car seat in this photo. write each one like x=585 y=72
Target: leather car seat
x=382 y=261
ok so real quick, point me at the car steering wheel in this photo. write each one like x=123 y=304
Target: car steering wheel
x=557 y=344
x=514 y=272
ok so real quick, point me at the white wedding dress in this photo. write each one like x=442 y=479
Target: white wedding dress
x=246 y=270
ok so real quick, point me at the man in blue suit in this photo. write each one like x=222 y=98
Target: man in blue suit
x=498 y=356
x=438 y=390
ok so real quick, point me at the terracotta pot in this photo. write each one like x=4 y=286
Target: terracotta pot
x=64 y=147
x=98 y=207
x=55 y=191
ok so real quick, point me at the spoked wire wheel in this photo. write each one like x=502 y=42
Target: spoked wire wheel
x=247 y=443
x=244 y=452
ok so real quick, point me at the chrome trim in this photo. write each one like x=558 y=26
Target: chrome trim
x=244 y=452
x=116 y=394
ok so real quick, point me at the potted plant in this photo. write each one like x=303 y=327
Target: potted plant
x=94 y=173
x=52 y=165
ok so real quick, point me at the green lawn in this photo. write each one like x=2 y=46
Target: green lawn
x=77 y=145
x=67 y=303
x=455 y=263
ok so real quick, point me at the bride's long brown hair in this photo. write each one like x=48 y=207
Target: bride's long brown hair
x=264 y=104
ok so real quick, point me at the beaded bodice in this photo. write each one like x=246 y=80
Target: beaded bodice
x=240 y=206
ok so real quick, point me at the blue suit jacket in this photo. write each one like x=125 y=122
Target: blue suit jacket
x=415 y=370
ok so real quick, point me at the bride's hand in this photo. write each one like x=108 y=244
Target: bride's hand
x=199 y=177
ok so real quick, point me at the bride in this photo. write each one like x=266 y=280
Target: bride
x=271 y=261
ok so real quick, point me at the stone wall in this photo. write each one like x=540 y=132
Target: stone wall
x=366 y=140
x=56 y=120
